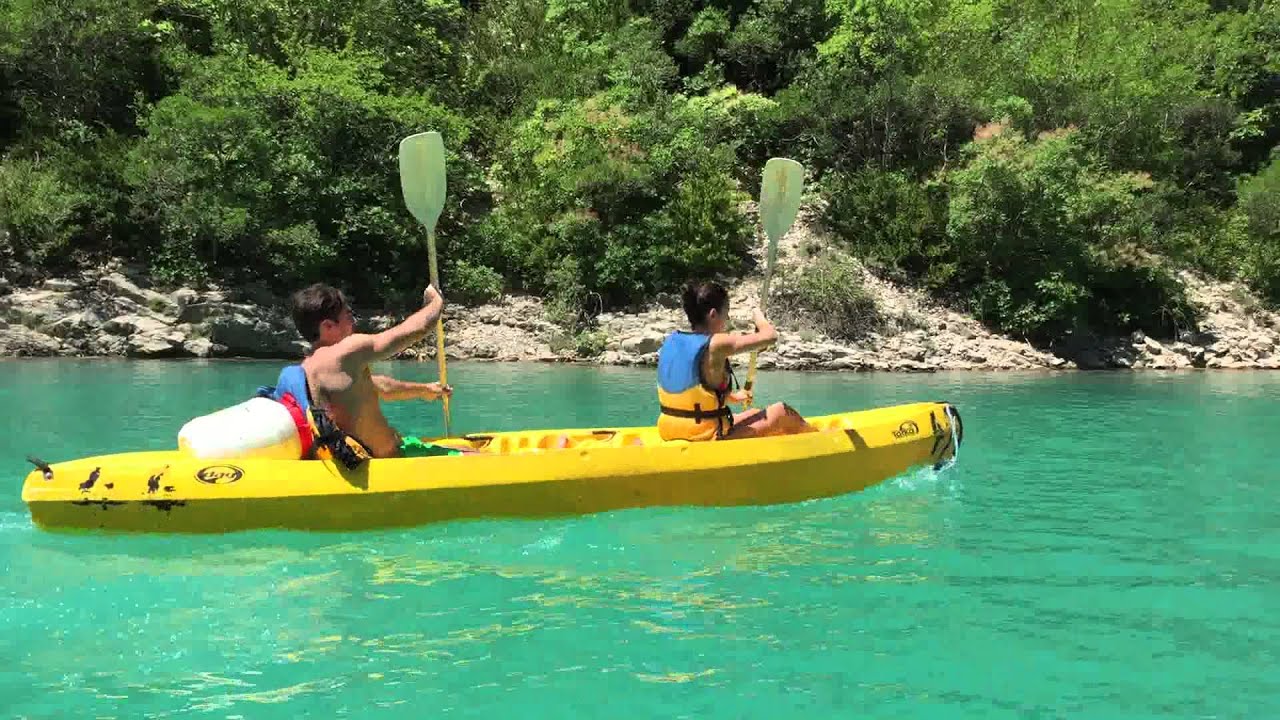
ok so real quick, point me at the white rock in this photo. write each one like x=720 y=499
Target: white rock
x=199 y=347
x=59 y=285
x=77 y=325
x=23 y=341
x=134 y=324
x=151 y=346
x=642 y=344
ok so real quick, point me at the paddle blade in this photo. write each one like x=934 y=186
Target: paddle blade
x=422 y=176
x=780 y=196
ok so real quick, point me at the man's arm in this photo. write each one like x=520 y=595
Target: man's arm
x=390 y=389
x=364 y=350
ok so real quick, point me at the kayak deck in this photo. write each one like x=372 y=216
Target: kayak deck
x=534 y=473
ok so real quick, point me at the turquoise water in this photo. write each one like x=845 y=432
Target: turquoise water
x=1108 y=546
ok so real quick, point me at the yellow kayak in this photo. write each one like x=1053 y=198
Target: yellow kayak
x=533 y=473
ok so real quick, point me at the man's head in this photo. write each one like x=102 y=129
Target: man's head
x=707 y=305
x=321 y=315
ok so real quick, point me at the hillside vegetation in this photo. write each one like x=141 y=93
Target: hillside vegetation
x=1046 y=165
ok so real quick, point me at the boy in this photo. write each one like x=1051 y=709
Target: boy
x=337 y=386
x=694 y=376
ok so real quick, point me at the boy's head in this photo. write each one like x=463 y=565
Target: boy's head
x=321 y=315
x=707 y=305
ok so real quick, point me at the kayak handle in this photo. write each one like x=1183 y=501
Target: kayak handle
x=42 y=466
x=484 y=440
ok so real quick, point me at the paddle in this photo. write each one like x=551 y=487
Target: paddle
x=779 y=202
x=422 y=181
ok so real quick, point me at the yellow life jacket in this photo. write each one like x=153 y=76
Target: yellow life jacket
x=689 y=408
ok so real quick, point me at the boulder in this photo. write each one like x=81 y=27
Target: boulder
x=251 y=336
x=643 y=344
x=612 y=357
x=202 y=348
x=182 y=297
x=199 y=312
x=37 y=309
x=135 y=324
x=59 y=285
x=119 y=285
x=23 y=341
x=104 y=344
x=914 y=352
x=153 y=346
x=845 y=363
x=76 y=326
x=483 y=351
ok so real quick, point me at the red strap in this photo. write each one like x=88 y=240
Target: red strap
x=300 y=420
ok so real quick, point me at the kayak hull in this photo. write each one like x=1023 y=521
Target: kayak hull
x=521 y=474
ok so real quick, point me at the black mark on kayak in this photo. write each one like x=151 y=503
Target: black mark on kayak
x=219 y=474
x=42 y=466
x=111 y=486
x=153 y=482
x=104 y=504
x=93 y=478
x=165 y=505
x=938 y=435
x=169 y=488
x=907 y=429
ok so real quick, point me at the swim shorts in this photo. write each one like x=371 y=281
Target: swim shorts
x=412 y=447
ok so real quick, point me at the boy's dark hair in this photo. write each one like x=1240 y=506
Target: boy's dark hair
x=700 y=298
x=315 y=304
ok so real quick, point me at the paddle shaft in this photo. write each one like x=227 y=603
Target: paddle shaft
x=764 y=302
x=440 y=359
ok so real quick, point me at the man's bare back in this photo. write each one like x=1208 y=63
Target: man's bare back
x=351 y=399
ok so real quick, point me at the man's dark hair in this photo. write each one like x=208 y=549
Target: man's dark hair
x=700 y=298
x=315 y=304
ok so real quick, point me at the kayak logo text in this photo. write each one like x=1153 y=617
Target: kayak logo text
x=907 y=429
x=219 y=474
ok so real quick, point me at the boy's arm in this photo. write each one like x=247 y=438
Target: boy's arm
x=359 y=351
x=390 y=389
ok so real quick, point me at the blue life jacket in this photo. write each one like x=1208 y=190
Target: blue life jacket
x=680 y=361
x=689 y=408
x=291 y=388
x=293 y=381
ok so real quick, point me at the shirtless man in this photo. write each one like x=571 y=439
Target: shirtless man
x=338 y=378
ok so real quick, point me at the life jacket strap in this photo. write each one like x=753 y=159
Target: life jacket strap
x=697 y=414
x=346 y=449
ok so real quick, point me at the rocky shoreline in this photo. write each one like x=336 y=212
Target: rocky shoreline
x=108 y=311
x=105 y=313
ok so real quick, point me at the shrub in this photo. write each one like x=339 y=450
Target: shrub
x=828 y=296
x=472 y=284
x=885 y=218
x=590 y=343
x=597 y=199
x=284 y=173
x=38 y=213
x=1258 y=217
x=1035 y=227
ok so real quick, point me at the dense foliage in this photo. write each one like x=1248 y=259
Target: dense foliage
x=1048 y=164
